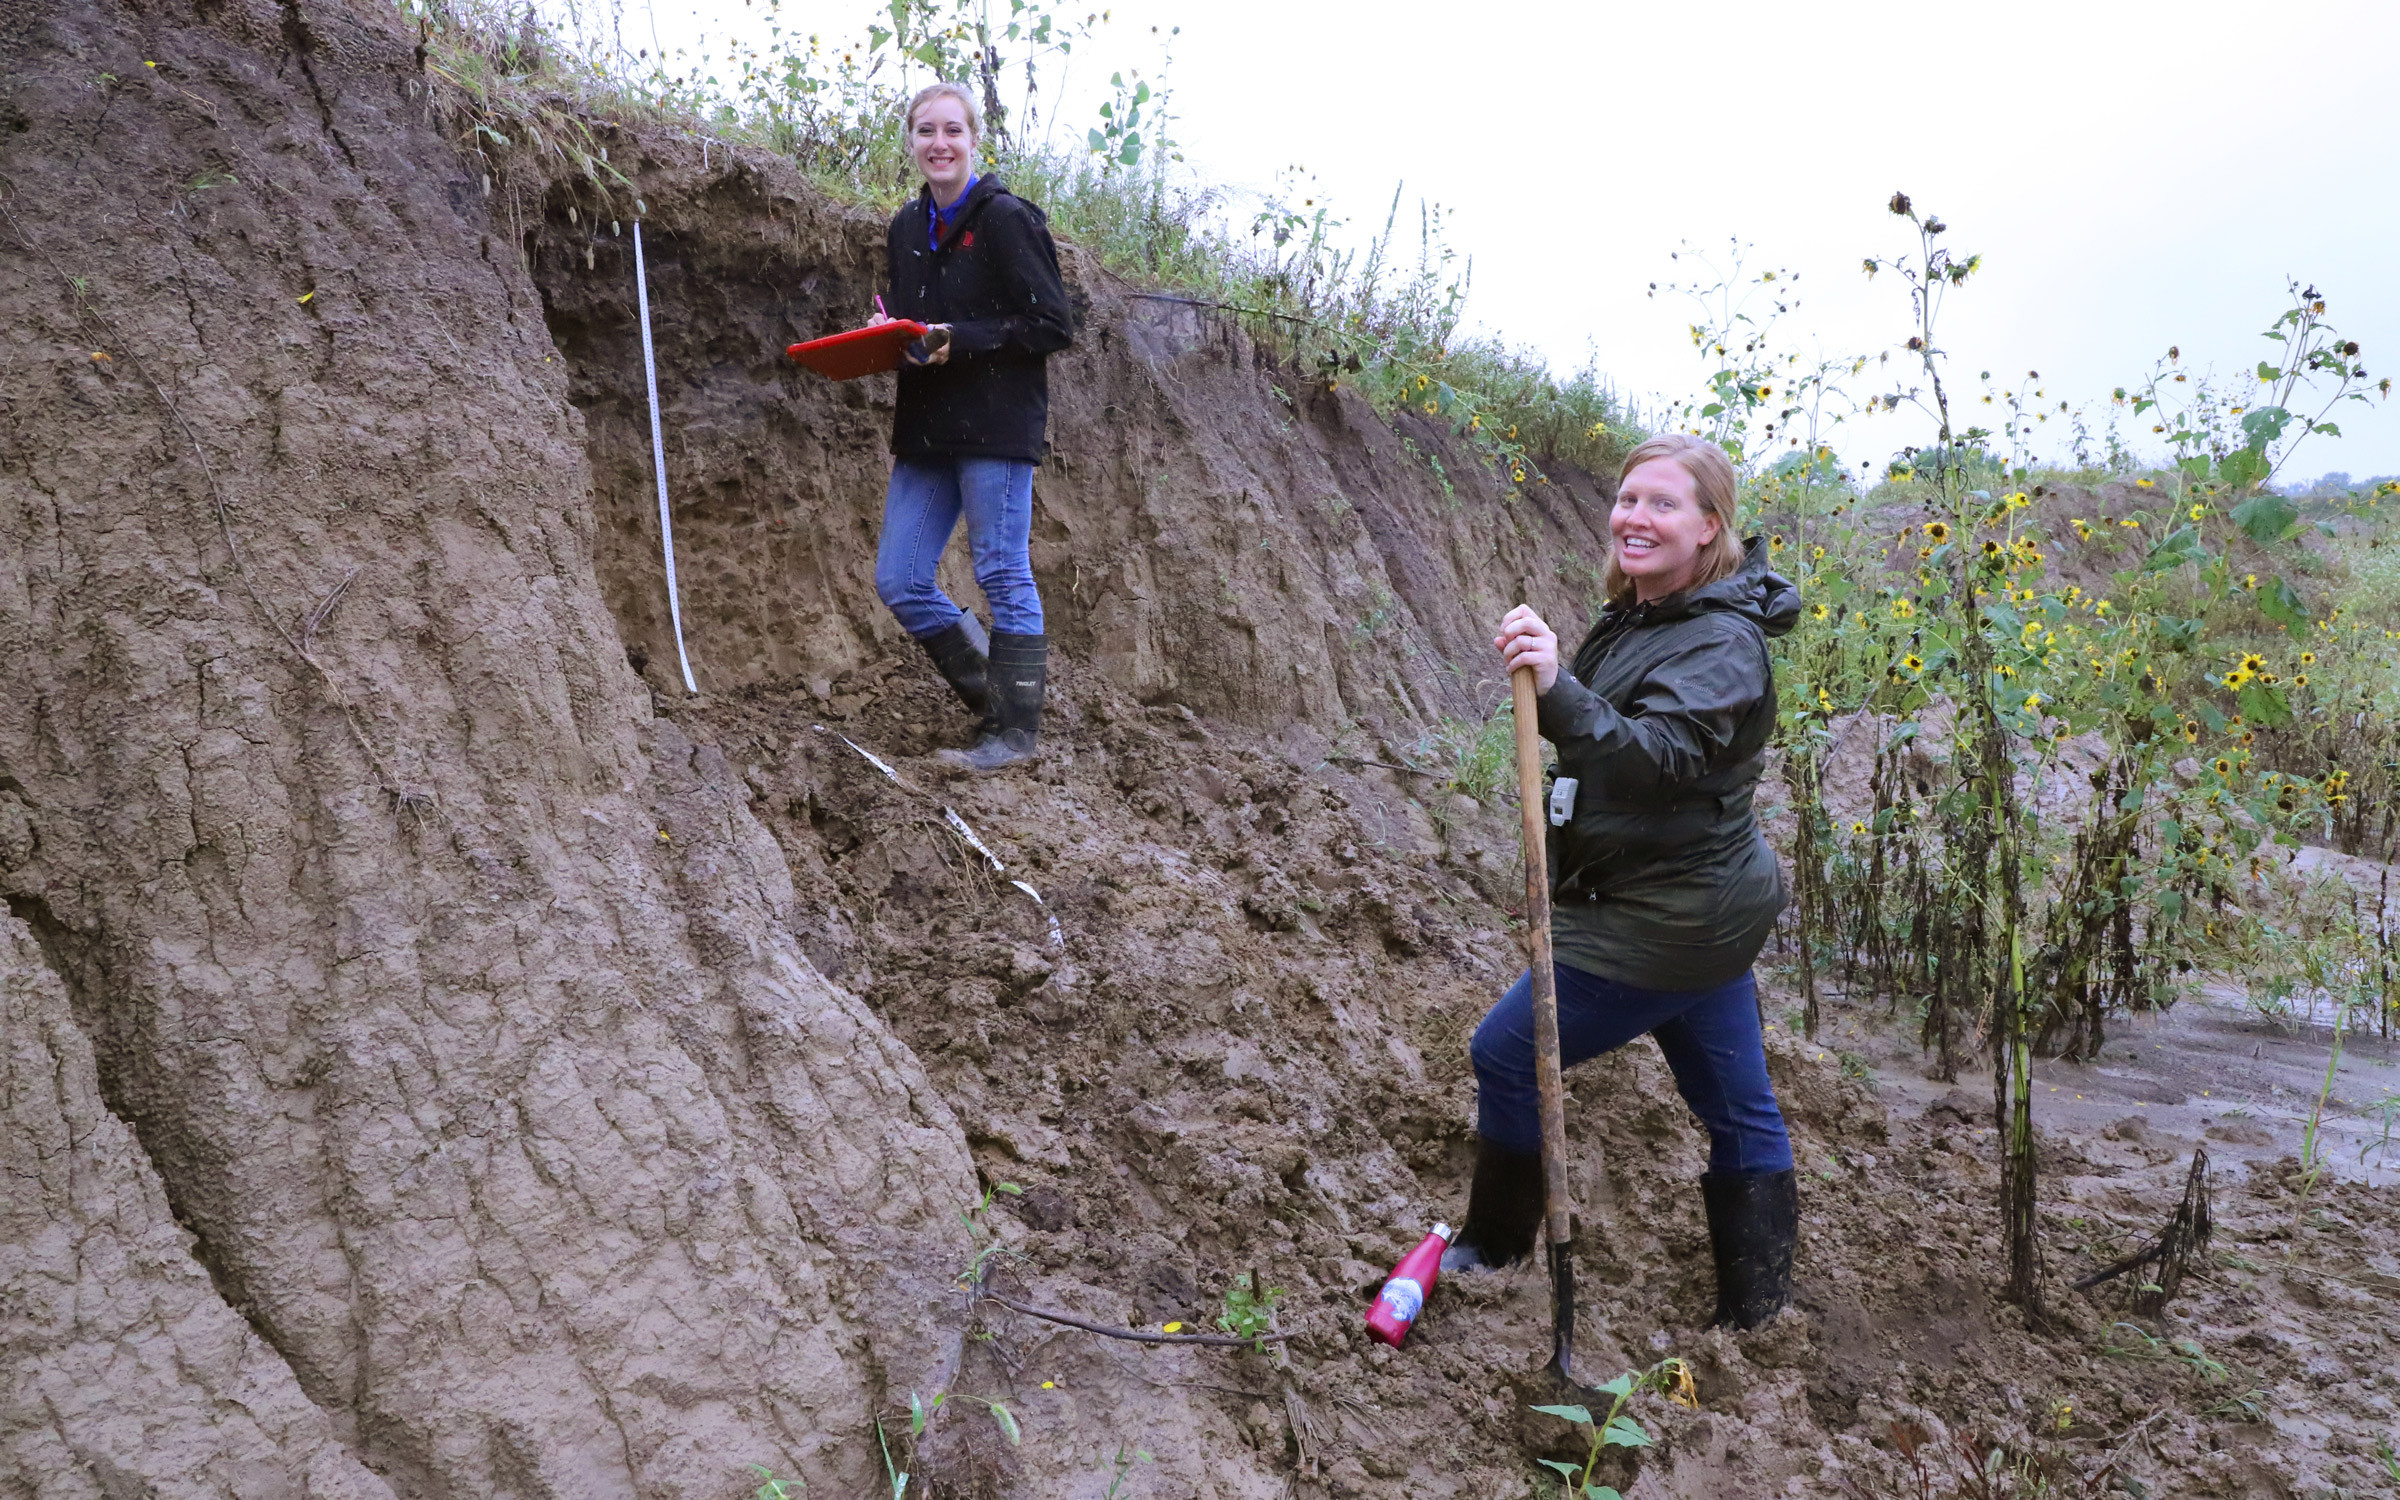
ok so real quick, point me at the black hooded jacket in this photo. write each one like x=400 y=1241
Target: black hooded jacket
x=1662 y=878
x=995 y=281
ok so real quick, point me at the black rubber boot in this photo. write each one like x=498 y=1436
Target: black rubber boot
x=1019 y=674
x=1753 y=1223
x=1504 y=1208
x=961 y=654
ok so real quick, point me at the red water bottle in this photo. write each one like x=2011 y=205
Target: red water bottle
x=1403 y=1297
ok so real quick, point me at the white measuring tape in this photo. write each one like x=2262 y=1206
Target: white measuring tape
x=658 y=454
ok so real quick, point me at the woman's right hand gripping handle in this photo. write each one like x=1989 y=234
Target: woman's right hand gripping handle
x=1524 y=641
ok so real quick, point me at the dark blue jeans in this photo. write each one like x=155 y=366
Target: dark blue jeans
x=922 y=508
x=1712 y=1044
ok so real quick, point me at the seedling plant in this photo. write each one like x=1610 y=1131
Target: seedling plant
x=1670 y=1377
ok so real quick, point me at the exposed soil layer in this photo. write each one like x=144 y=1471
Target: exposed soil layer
x=454 y=1000
x=440 y=1062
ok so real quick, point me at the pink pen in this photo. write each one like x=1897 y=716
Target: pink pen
x=879 y=312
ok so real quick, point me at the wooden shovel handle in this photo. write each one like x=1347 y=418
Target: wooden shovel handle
x=1547 y=1080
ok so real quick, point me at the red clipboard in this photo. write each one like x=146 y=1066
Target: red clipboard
x=861 y=351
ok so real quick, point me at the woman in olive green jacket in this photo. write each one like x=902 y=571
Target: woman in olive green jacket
x=1664 y=888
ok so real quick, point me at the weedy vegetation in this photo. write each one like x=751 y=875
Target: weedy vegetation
x=2100 y=705
x=1249 y=1310
x=1383 y=318
x=1670 y=1377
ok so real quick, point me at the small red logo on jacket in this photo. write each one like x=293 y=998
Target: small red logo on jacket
x=967 y=241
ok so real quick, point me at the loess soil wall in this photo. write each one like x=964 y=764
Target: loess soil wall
x=452 y=999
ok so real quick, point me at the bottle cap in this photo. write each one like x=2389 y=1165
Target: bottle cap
x=1442 y=1233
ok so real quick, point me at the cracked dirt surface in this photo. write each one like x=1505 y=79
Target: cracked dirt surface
x=497 y=1095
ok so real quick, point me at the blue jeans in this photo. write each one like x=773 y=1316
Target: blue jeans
x=1712 y=1044
x=921 y=509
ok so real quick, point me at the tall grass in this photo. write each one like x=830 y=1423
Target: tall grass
x=1385 y=319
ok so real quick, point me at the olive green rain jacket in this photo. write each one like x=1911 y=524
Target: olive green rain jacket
x=1661 y=879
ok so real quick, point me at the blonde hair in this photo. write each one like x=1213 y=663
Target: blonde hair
x=1713 y=481
x=958 y=91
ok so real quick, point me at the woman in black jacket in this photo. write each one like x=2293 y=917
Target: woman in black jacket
x=1664 y=888
x=977 y=264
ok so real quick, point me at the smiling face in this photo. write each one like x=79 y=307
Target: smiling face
x=942 y=140
x=1660 y=527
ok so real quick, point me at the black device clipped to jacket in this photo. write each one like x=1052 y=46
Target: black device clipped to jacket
x=995 y=281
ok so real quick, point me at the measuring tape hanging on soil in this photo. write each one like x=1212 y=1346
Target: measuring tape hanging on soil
x=658 y=455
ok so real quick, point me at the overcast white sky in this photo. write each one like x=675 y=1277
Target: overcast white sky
x=2136 y=174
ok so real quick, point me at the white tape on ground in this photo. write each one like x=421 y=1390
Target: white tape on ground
x=958 y=825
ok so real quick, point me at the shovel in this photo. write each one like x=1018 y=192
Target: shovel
x=1552 y=1090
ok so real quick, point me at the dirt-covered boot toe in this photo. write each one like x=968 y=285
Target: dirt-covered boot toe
x=1018 y=676
x=1504 y=1208
x=1002 y=748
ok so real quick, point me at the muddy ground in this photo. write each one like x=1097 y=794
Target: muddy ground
x=440 y=1060
x=1244 y=1052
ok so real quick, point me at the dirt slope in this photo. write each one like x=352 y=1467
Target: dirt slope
x=454 y=1000
x=127 y=1370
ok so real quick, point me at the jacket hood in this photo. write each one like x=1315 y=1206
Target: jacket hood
x=987 y=186
x=1753 y=589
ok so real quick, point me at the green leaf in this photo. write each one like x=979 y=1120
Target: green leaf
x=1624 y=1432
x=1581 y=1414
x=2263 y=426
x=2267 y=371
x=2266 y=517
x=2261 y=704
x=1601 y=1492
x=1099 y=142
x=2278 y=602
x=2180 y=546
x=1008 y=1423
x=2210 y=716
x=1621 y=1387
x=1132 y=154
x=1566 y=1469
x=916 y=1415
x=2243 y=468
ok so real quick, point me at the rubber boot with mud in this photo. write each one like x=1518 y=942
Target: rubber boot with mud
x=1753 y=1224
x=962 y=654
x=1504 y=1208
x=1019 y=673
